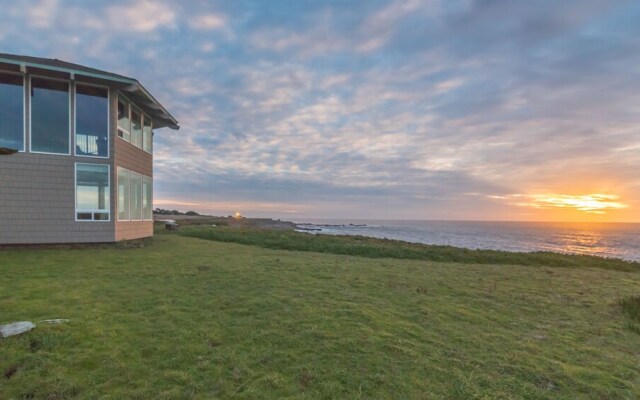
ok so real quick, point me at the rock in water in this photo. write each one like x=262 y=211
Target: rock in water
x=16 y=328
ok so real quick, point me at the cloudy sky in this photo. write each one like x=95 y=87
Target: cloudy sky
x=394 y=109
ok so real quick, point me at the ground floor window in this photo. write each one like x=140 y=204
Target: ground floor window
x=92 y=192
x=135 y=196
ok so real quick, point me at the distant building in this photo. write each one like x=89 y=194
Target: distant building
x=75 y=153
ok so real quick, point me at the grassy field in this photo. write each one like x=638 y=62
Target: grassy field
x=184 y=318
x=384 y=248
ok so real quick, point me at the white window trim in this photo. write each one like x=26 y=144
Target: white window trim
x=75 y=117
x=144 y=118
x=75 y=195
x=24 y=108
x=130 y=192
x=141 y=147
x=31 y=109
x=120 y=95
x=129 y=172
x=143 y=197
x=118 y=194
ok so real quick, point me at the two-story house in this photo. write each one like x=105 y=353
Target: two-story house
x=76 y=153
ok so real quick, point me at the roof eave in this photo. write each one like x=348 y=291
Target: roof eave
x=165 y=118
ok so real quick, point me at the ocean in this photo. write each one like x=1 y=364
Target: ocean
x=617 y=240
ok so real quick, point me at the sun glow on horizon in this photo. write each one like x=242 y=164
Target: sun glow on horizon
x=590 y=203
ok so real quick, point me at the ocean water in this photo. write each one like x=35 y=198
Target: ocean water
x=601 y=239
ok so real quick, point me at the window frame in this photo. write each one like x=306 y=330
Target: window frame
x=69 y=82
x=142 y=199
x=144 y=118
x=128 y=203
x=75 y=119
x=130 y=197
x=144 y=194
x=118 y=128
x=141 y=113
x=25 y=92
x=75 y=195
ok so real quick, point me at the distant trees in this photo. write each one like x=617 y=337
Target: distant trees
x=162 y=211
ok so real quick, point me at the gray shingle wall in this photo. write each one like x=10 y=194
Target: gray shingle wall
x=37 y=201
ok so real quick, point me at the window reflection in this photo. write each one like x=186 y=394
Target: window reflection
x=49 y=116
x=11 y=111
x=92 y=121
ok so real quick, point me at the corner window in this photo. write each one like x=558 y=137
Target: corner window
x=92 y=121
x=124 y=121
x=136 y=196
x=136 y=127
x=123 y=195
x=12 y=111
x=92 y=192
x=50 y=116
x=147 y=198
x=147 y=135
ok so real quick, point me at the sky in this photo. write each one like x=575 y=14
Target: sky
x=376 y=109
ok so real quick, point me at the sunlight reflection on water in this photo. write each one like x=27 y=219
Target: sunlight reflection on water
x=601 y=239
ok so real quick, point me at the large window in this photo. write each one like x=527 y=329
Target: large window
x=92 y=192
x=135 y=196
x=147 y=198
x=124 y=121
x=12 y=111
x=136 y=127
x=123 y=194
x=92 y=121
x=147 y=134
x=49 y=116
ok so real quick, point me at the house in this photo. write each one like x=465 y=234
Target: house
x=76 y=153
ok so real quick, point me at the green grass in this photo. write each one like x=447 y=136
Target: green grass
x=182 y=318
x=630 y=306
x=384 y=248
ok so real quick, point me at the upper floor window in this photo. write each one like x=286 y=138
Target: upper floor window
x=136 y=127
x=147 y=135
x=92 y=121
x=12 y=111
x=50 y=131
x=124 y=119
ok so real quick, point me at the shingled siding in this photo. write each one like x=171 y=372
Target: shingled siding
x=37 y=201
x=134 y=159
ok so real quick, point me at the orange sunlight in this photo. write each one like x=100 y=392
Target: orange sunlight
x=588 y=203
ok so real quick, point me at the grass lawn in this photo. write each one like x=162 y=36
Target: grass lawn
x=185 y=318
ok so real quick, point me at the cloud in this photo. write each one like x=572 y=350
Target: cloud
x=207 y=22
x=43 y=14
x=141 y=16
x=419 y=109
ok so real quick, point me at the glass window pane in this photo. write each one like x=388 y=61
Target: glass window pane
x=11 y=111
x=100 y=216
x=147 y=133
x=92 y=121
x=124 y=124
x=147 y=200
x=136 y=127
x=92 y=189
x=49 y=116
x=136 y=196
x=123 y=194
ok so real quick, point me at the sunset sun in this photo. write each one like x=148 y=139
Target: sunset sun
x=588 y=203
